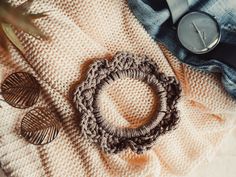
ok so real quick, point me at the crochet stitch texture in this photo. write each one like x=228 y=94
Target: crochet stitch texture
x=113 y=139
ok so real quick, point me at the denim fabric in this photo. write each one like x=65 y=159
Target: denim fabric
x=156 y=20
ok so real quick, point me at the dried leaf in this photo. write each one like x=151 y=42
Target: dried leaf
x=9 y=32
x=39 y=126
x=3 y=41
x=36 y=16
x=24 y=23
x=25 y=6
x=20 y=90
x=19 y=18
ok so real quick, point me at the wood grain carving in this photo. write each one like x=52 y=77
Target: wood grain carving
x=20 y=90
x=39 y=126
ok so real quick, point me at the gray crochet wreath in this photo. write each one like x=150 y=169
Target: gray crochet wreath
x=114 y=139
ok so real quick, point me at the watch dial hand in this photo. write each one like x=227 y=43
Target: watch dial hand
x=200 y=34
x=204 y=35
x=195 y=26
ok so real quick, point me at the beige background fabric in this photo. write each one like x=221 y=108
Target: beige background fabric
x=222 y=164
x=82 y=31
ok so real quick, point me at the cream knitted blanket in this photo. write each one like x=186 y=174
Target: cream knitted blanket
x=81 y=31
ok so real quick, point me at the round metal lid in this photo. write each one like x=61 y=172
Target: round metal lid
x=199 y=32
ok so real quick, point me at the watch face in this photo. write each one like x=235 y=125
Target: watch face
x=198 y=32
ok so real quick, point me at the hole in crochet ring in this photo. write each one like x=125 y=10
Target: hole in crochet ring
x=133 y=103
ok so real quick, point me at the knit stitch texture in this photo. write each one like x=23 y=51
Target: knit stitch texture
x=82 y=31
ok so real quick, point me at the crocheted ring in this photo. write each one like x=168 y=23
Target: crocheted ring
x=114 y=139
